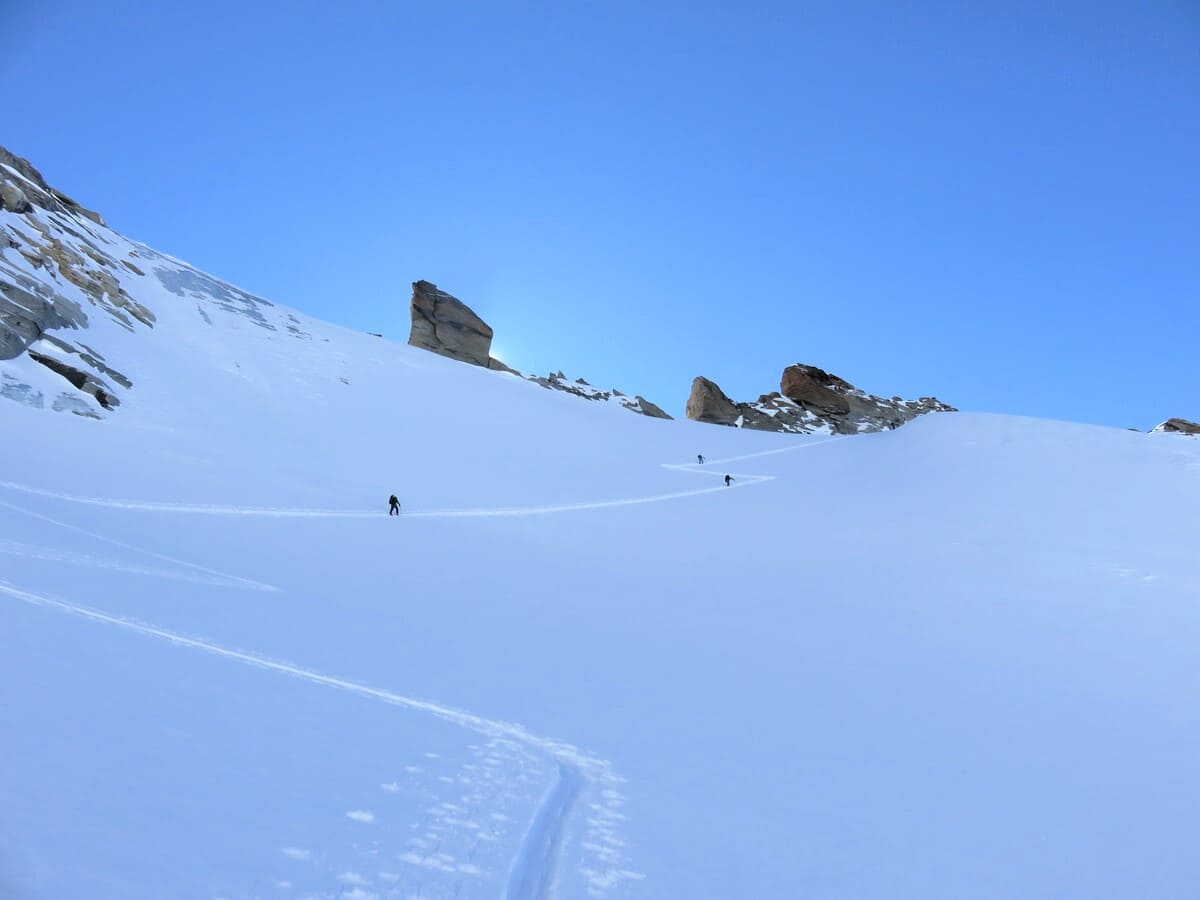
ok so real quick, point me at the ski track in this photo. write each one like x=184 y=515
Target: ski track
x=707 y=468
x=534 y=871
x=50 y=554
x=204 y=574
x=535 y=867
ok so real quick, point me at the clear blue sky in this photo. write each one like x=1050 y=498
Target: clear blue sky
x=996 y=203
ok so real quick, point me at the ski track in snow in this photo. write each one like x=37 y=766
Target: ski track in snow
x=194 y=572
x=707 y=468
x=533 y=874
x=534 y=871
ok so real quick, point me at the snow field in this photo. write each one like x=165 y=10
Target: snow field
x=952 y=660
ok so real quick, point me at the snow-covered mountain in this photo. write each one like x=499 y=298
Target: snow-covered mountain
x=952 y=660
x=78 y=300
x=79 y=304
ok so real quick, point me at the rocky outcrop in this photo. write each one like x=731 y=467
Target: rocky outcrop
x=810 y=400
x=1178 y=426
x=64 y=273
x=87 y=383
x=557 y=381
x=29 y=183
x=28 y=309
x=443 y=324
x=56 y=261
x=13 y=198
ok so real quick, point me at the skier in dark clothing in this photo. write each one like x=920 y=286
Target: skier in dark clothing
x=728 y=480
x=700 y=458
x=393 y=506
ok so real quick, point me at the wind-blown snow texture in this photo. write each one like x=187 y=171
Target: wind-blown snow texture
x=954 y=660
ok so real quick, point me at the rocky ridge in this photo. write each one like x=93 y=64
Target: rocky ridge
x=67 y=278
x=1177 y=426
x=443 y=324
x=57 y=266
x=557 y=381
x=809 y=401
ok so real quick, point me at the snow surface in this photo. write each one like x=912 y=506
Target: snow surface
x=953 y=660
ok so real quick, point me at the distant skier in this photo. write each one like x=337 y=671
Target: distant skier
x=393 y=506
x=728 y=480
x=700 y=458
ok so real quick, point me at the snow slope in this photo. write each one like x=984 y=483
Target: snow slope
x=954 y=660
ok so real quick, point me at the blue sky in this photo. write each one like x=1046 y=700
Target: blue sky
x=996 y=203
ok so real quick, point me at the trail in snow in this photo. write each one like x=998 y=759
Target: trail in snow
x=741 y=480
x=564 y=752
x=535 y=868
x=52 y=554
x=201 y=574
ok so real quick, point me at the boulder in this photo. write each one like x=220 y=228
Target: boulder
x=444 y=324
x=708 y=403
x=816 y=389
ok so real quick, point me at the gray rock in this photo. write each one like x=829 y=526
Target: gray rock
x=28 y=309
x=642 y=405
x=444 y=324
x=13 y=198
x=85 y=382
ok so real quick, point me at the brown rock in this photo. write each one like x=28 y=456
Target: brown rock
x=815 y=389
x=708 y=403
x=812 y=401
x=1179 y=426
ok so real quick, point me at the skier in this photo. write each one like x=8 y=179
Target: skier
x=700 y=457
x=728 y=480
x=393 y=506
